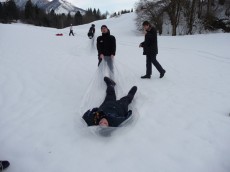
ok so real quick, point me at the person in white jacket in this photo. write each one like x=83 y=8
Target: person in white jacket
x=71 y=30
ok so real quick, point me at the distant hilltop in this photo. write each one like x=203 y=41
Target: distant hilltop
x=59 y=6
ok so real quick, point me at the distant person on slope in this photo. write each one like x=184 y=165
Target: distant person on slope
x=71 y=30
x=106 y=46
x=111 y=112
x=151 y=50
x=4 y=165
x=91 y=31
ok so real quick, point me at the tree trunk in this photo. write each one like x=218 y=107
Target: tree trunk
x=174 y=14
x=209 y=7
x=200 y=9
x=174 y=30
x=191 y=17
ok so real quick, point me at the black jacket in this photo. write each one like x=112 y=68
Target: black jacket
x=106 y=44
x=95 y=115
x=92 y=30
x=150 y=43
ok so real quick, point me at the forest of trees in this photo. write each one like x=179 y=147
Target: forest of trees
x=179 y=16
x=31 y=14
x=121 y=12
x=189 y=15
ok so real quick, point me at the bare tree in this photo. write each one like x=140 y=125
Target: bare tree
x=190 y=14
x=174 y=11
x=187 y=15
x=151 y=11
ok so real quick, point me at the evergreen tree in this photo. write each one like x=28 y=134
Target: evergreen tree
x=69 y=20
x=94 y=12
x=10 y=11
x=78 y=19
x=53 y=18
x=29 y=10
x=89 y=16
x=98 y=15
x=1 y=11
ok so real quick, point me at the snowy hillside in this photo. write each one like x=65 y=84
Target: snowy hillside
x=62 y=6
x=39 y=3
x=59 y=6
x=183 y=122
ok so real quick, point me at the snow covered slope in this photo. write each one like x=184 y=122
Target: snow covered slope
x=184 y=120
x=59 y=6
x=62 y=6
x=39 y=3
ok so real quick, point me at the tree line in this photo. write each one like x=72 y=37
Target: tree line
x=121 y=12
x=189 y=16
x=31 y=14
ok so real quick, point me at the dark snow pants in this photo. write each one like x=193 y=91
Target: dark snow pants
x=152 y=59
x=71 y=32
x=123 y=103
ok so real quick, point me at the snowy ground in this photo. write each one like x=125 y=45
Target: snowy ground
x=183 y=123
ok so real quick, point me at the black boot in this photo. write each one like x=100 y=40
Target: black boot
x=146 y=77
x=162 y=74
x=109 y=82
x=4 y=165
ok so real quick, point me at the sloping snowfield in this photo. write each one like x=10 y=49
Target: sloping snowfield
x=183 y=123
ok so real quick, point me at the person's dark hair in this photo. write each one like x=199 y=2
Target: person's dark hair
x=104 y=26
x=146 y=23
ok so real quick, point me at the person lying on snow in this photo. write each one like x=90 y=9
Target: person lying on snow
x=112 y=112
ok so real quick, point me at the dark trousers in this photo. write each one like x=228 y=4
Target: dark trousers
x=90 y=35
x=71 y=32
x=152 y=59
x=123 y=103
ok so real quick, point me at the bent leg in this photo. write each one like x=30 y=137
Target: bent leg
x=124 y=103
x=157 y=64
x=126 y=100
x=110 y=94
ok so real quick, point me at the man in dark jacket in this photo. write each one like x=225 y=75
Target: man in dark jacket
x=106 y=46
x=151 y=50
x=91 y=31
x=111 y=112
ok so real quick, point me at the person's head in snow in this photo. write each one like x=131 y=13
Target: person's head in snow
x=104 y=122
x=111 y=112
